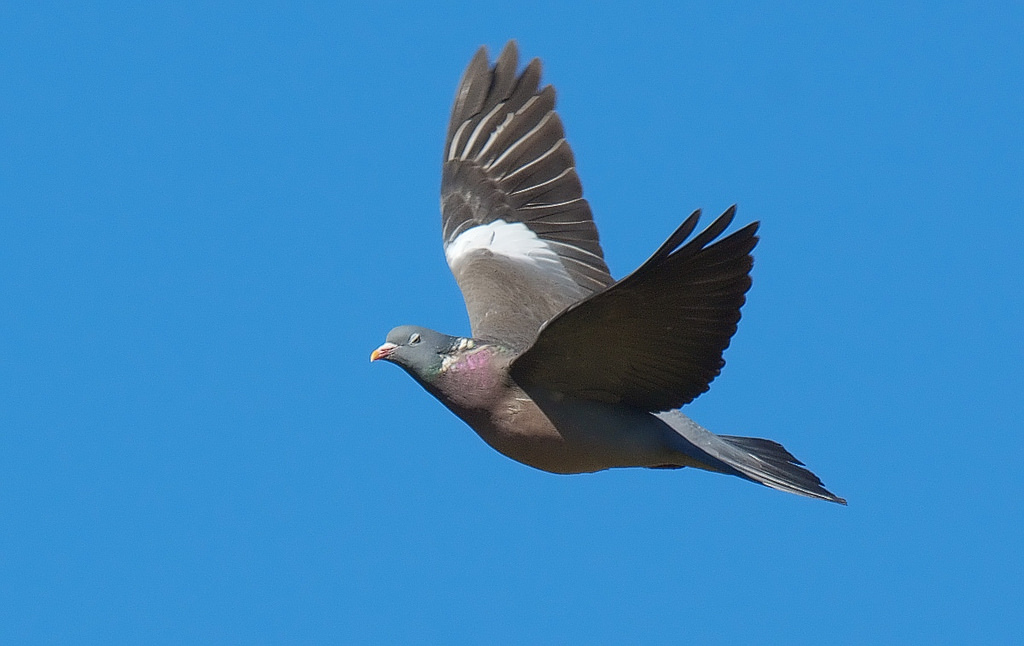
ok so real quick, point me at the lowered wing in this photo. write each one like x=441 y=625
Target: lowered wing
x=655 y=339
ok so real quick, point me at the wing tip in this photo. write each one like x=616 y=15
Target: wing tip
x=510 y=50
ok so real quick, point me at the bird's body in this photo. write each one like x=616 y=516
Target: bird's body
x=541 y=429
x=568 y=370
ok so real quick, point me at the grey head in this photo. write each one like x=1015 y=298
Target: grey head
x=417 y=350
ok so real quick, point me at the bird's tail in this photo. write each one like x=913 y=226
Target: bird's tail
x=756 y=459
x=771 y=464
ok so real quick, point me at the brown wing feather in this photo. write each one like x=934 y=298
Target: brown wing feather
x=506 y=158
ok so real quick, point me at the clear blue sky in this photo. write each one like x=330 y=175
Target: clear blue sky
x=210 y=214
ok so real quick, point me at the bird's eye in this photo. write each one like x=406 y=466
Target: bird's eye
x=414 y=338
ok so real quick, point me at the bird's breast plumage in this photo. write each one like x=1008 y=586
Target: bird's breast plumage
x=473 y=378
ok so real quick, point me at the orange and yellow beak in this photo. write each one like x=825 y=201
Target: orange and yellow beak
x=383 y=351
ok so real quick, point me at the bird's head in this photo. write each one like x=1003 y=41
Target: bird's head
x=419 y=351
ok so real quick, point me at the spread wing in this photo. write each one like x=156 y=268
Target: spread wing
x=518 y=235
x=655 y=339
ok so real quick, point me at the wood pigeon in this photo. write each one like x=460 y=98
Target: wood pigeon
x=568 y=370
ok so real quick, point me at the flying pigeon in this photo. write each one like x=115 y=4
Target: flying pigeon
x=568 y=370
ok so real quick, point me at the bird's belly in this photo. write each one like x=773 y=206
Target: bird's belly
x=574 y=437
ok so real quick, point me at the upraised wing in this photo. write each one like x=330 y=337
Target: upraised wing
x=655 y=339
x=518 y=235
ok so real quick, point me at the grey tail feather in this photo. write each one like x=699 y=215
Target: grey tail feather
x=762 y=461
x=775 y=467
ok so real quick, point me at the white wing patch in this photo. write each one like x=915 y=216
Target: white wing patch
x=512 y=240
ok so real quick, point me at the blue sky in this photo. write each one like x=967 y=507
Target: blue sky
x=211 y=213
